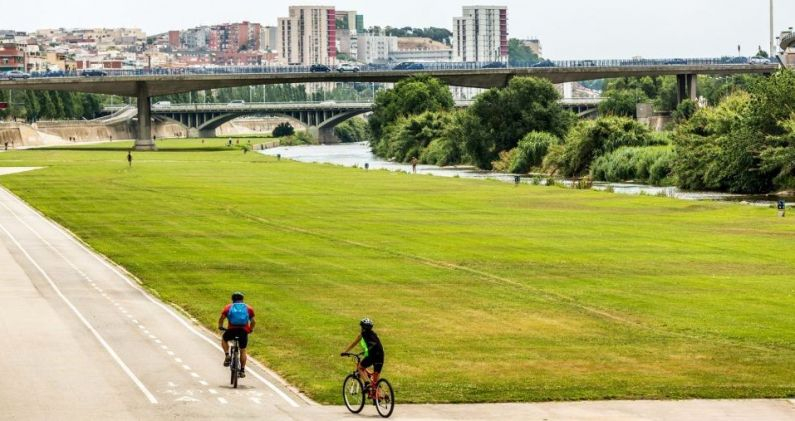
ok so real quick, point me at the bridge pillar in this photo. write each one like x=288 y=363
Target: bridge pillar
x=687 y=87
x=144 y=141
x=323 y=135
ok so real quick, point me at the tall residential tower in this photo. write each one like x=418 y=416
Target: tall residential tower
x=481 y=34
x=309 y=35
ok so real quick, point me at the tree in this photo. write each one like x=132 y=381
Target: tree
x=519 y=54
x=353 y=130
x=623 y=103
x=411 y=96
x=500 y=117
x=685 y=110
x=410 y=136
x=283 y=129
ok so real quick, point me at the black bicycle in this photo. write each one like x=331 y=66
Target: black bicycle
x=234 y=366
x=355 y=393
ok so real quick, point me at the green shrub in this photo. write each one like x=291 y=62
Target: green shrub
x=353 y=130
x=530 y=151
x=283 y=129
x=650 y=165
x=408 y=137
x=592 y=138
x=297 y=139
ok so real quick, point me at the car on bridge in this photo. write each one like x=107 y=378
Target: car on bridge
x=236 y=103
x=347 y=67
x=495 y=65
x=545 y=63
x=319 y=68
x=14 y=74
x=93 y=73
x=676 y=61
x=586 y=63
x=759 y=60
x=734 y=60
x=408 y=65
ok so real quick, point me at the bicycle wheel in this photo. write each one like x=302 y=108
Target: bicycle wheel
x=235 y=368
x=384 y=398
x=353 y=394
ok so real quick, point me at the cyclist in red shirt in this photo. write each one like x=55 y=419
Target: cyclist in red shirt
x=241 y=322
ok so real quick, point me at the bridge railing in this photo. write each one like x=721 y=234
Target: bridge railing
x=416 y=67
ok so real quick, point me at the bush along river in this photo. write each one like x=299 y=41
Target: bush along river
x=359 y=155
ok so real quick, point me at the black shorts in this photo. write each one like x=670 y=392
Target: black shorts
x=377 y=361
x=241 y=334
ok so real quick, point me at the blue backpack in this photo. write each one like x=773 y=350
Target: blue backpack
x=238 y=314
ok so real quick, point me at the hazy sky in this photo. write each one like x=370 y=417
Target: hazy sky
x=567 y=28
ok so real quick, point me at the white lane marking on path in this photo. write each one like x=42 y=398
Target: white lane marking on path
x=186 y=367
x=222 y=400
x=194 y=375
x=213 y=391
x=137 y=287
x=79 y=315
x=203 y=383
x=256 y=401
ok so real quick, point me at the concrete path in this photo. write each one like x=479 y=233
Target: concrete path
x=83 y=341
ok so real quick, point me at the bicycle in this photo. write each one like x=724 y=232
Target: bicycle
x=234 y=366
x=355 y=393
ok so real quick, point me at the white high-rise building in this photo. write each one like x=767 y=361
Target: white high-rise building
x=375 y=49
x=269 y=38
x=308 y=36
x=481 y=34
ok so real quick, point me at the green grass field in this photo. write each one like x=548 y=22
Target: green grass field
x=481 y=291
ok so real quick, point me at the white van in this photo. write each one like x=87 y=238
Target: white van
x=163 y=104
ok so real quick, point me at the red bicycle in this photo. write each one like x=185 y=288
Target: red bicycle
x=355 y=393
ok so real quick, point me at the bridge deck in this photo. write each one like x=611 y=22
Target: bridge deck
x=158 y=85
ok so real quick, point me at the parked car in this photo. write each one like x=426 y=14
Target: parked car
x=319 y=68
x=94 y=73
x=236 y=103
x=408 y=65
x=586 y=63
x=15 y=74
x=676 y=61
x=495 y=65
x=347 y=67
x=759 y=60
x=545 y=63
x=54 y=73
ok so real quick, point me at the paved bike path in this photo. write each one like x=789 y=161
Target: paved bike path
x=83 y=341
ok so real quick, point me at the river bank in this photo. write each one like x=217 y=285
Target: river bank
x=359 y=155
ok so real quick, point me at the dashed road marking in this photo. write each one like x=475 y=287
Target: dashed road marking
x=222 y=400
x=213 y=391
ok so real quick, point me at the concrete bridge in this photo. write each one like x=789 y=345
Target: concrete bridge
x=320 y=118
x=145 y=86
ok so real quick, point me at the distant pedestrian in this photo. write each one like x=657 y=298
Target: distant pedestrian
x=414 y=164
x=229 y=143
x=237 y=142
x=129 y=158
x=6 y=145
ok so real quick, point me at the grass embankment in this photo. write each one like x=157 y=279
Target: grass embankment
x=481 y=291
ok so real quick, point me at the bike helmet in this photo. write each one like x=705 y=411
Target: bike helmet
x=366 y=323
x=237 y=296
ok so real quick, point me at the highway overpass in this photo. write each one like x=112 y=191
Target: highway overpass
x=145 y=86
x=320 y=118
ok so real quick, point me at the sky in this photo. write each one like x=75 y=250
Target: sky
x=568 y=29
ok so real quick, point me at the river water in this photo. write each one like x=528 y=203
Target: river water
x=359 y=155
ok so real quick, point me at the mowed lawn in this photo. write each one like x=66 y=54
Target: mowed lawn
x=481 y=291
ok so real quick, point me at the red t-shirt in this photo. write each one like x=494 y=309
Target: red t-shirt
x=247 y=327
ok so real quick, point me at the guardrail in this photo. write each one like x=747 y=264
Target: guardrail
x=417 y=67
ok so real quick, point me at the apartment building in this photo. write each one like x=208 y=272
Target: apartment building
x=376 y=49
x=481 y=34
x=309 y=35
x=12 y=57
